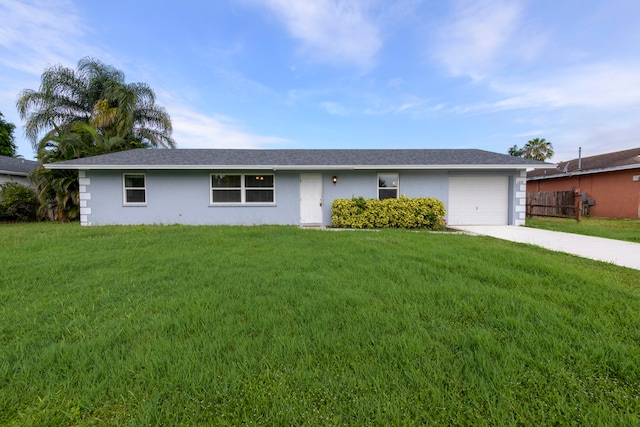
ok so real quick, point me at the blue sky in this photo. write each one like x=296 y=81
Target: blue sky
x=482 y=74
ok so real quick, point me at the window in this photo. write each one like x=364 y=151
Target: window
x=135 y=191
x=247 y=188
x=387 y=186
x=226 y=188
x=259 y=188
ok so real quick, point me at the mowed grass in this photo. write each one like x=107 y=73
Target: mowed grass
x=184 y=325
x=611 y=228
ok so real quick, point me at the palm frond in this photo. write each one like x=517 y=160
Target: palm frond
x=84 y=112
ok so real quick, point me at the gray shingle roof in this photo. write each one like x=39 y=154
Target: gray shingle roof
x=291 y=159
x=19 y=167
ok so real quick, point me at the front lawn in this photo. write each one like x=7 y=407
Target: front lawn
x=611 y=228
x=282 y=326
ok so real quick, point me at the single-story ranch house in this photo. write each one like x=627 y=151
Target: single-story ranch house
x=611 y=181
x=294 y=187
x=16 y=170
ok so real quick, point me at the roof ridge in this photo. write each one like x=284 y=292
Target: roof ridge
x=617 y=160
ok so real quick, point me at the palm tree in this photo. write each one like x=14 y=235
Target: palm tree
x=81 y=113
x=516 y=151
x=94 y=94
x=538 y=149
x=58 y=190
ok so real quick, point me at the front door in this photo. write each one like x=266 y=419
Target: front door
x=311 y=199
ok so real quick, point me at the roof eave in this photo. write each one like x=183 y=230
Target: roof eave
x=14 y=173
x=587 y=172
x=283 y=167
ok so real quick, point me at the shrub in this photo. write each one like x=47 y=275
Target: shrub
x=17 y=202
x=389 y=213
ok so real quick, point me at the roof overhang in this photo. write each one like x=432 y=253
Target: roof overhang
x=286 y=167
x=587 y=172
x=13 y=173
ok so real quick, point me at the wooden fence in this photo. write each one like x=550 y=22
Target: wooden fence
x=563 y=204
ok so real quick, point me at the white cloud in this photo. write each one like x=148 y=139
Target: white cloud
x=530 y=134
x=567 y=90
x=478 y=35
x=303 y=96
x=606 y=136
x=37 y=33
x=192 y=129
x=593 y=86
x=334 y=31
x=412 y=105
x=335 y=108
x=610 y=137
x=597 y=87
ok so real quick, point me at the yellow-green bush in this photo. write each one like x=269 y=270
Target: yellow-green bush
x=404 y=212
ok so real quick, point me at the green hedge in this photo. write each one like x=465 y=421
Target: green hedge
x=17 y=202
x=389 y=213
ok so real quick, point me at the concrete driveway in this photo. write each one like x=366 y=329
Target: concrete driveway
x=625 y=254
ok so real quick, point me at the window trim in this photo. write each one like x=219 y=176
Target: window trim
x=397 y=187
x=243 y=189
x=125 y=188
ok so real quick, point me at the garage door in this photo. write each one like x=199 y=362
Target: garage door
x=478 y=200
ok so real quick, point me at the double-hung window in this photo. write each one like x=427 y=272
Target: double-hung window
x=242 y=188
x=388 y=186
x=258 y=188
x=226 y=188
x=134 y=189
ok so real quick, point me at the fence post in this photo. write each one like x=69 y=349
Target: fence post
x=577 y=200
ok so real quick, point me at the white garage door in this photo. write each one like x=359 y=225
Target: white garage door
x=478 y=200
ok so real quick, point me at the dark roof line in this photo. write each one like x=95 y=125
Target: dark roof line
x=292 y=158
x=609 y=162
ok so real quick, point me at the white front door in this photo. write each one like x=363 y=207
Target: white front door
x=310 y=199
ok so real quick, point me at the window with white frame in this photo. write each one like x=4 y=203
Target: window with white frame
x=388 y=186
x=134 y=188
x=242 y=188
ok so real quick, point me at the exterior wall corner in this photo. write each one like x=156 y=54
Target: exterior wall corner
x=85 y=197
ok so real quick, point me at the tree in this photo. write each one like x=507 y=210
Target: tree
x=7 y=144
x=536 y=149
x=516 y=151
x=81 y=113
x=58 y=190
x=95 y=94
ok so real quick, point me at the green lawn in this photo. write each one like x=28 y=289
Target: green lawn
x=282 y=326
x=619 y=229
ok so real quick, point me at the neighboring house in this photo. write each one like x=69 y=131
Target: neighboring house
x=295 y=187
x=16 y=170
x=611 y=181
